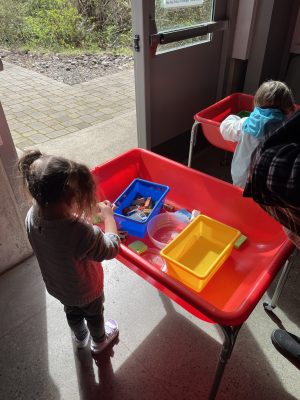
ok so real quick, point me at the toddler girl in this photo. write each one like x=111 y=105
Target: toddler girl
x=273 y=101
x=69 y=249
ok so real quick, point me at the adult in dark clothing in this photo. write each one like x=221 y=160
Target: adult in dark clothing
x=274 y=183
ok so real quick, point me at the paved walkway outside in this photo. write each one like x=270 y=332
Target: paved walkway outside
x=39 y=109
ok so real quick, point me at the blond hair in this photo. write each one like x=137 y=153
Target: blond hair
x=275 y=94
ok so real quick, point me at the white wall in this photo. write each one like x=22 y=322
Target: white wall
x=244 y=29
x=14 y=246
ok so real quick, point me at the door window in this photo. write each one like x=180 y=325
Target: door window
x=172 y=15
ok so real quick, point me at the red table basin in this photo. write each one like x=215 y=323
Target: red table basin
x=236 y=288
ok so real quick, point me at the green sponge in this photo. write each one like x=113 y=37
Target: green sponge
x=240 y=241
x=138 y=246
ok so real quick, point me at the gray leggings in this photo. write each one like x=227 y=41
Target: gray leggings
x=93 y=314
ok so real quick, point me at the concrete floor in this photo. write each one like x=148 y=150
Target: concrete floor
x=163 y=352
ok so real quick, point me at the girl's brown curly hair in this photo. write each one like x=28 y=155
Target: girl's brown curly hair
x=52 y=179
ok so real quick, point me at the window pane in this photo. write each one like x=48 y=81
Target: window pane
x=174 y=14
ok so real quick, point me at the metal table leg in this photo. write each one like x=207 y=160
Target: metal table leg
x=230 y=335
x=269 y=306
x=192 y=141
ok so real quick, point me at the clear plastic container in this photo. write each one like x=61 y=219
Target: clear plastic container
x=153 y=257
x=163 y=228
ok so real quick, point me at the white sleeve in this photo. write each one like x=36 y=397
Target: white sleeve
x=231 y=128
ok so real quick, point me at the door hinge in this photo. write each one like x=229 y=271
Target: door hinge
x=136 y=42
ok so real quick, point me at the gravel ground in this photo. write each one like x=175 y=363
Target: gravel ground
x=69 y=69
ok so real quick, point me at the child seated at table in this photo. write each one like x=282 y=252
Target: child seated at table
x=273 y=102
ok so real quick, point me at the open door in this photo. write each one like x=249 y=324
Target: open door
x=181 y=51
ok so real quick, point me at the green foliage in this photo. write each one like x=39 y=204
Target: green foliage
x=111 y=20
x=107 y=13
x=65 y=25
x=170 y=18
x=12 y=22
x=54 y=24
x=84 y=24
x=180 y=17
x=113 y=38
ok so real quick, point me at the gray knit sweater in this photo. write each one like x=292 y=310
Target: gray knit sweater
x=69 y=254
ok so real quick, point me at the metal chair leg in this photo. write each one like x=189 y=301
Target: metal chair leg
x=192 y=141
x=269 y=306
x=230 y=335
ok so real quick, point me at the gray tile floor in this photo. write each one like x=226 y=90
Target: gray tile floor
x=163 y=351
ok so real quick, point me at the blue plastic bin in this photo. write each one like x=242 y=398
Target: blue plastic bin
x=137 y=187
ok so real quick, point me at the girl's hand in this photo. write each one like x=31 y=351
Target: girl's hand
x=106 y=209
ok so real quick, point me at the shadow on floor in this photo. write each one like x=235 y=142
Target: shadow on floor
x=217 y=162
x=24 y=361
x=177 y=361
x=289 y=299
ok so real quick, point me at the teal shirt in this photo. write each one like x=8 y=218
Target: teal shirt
x=256 y=121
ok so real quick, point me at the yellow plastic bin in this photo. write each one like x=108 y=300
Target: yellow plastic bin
x=197 y=253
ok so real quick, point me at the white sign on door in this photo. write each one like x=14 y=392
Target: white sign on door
x=181 y=3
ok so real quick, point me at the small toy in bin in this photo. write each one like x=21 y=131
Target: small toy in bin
x=123 y=235
x=168 y=207
x=139 y=203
